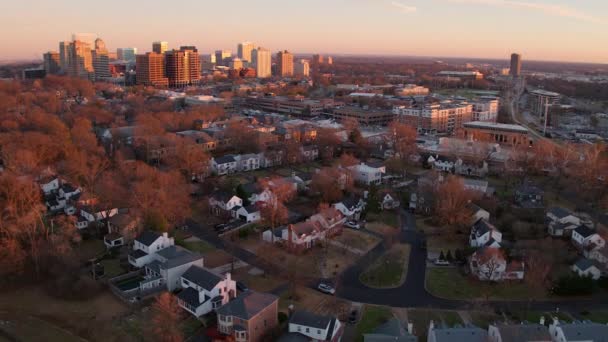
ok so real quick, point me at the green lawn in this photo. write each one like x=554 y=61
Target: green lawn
x=197 y=246
x=420 y=318
x=596 y=316
x=373 y=316
x=389 y=270
x=27 y=328
x=484 y=319
x=451 y=318
x=389 y=218
x=450 y=283
x=112 y=268
x=189 y=326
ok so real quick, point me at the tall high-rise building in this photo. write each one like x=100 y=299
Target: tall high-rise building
x=330 y=60
x=151 y=70
x=244 y=51
x=183 y=66
x=261 y=60
x=317 y=59
x=64 y=48
x=88 y=38
x=126 y=54
x=160 y=47
x=236 y=64
x=80 y=60
x=52 y=62
x=284 y=63
x=101 y=60
x=223 y=57
x=515 y=65
x=302 y=68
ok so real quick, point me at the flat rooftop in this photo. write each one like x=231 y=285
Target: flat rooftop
x=496 y=126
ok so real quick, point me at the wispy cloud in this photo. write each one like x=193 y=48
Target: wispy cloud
x=403 y=8
x=546 y=8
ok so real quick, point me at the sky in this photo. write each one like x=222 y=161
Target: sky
x=560 y=30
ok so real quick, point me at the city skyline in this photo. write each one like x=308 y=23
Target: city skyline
x=539 y=30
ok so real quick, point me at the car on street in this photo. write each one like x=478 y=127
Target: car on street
x=353 y=225
x=439 y=262
x=325 y=288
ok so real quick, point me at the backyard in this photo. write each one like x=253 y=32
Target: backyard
x=390 y=270
x=371 y=318
x=452 y=284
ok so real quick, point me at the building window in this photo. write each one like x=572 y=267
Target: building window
x=307 y=330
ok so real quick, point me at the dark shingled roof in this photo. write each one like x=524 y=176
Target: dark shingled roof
x=584 y=264
x=190 y=296
x=247 y=305
x=136 y=254
x=148 y=237
x=585 y=332
x=585 y=231
x=310 y=319
x=225 y=159
x=559 y=212
x=390 y=331
x=202 y=277
x=523 y=332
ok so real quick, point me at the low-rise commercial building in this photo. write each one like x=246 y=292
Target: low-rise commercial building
x=363 y=116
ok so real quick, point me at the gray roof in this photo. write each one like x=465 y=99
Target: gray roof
x=585 y=231
x=559 y=212
x=585 y=332
x=310 y=319
x=176 y=256
x=147 y=237
x=247 y=305
x=469 y=334
x=225 y=159
x=523 y=332
x=202 y=277
x=293 y=337
x=392 y=330
x=190 y=296
x=138 y=253
x=481 y=227
x=584 y=264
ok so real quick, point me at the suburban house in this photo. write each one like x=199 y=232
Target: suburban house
x=249 y=162
x=122 y=227
x=490 y=264
x=351 y=207
x=224 y=165
x=519 y=333
x=249 y=316
x=477 y=213
x=368 y=173
x=204 y=291
x=388 y=200
x=444 y=165
x=587 y=268
x=315 y=327
x=561 y=222
x=249 y=214
x=256 y=192
x=599 y=254
x=88 y=215
x=578 y=331
x=309 y=153
x=392 y=330
x=469 y=333
x=475 y=169
x=478 y=185
x=49 y=184
x=145 y=245
x=304 y=235
x=168 y=266
x=585 y=238
x=222 y=203
x=529 y=196
x=483 y=233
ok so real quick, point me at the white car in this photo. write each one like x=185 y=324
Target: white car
x=441 y=262
x=353 y=225
x=326 y=289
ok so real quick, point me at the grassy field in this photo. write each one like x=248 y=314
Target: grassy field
x=373 y=316
x=112 y=268
x=27 y=328
x=389 y=270
x=450 y=283
x=390 y=218
x=420 y=318
x=483 y=319
x=200 y=246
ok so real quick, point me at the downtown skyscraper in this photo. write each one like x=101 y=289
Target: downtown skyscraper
x=160 y=47
x=284 y=64
x=183 y=66
x=101 y=60
x=261 y=60
x=151 y=70
x=244 y=51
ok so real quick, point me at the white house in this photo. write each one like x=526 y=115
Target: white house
x=309 y=152
x=168 y=266
x=578 y=331
x=477 y=185
x=478 y=213
x=456 y=334
x=223 y=202
x=528 y=332
x=315 y=327
x=204 y=291
x=587 y=268
x=441 y=164
x=586 y=238
x=483 y=233
x=388 y=200
x=351 y=207
x=49 y=185
x=224 y=165
x=368 y=174
x=599 y=254
x=68 y=191
x=146 y=244
x=467 y=169
x=561 y=222
x=249 y=162
x=248 y=214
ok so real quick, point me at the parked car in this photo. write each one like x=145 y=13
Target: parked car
x=352 y=224
x=241 y=287
x=439 y=262
x=325 y=288
x=220 y=227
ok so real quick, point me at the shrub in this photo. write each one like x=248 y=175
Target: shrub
x=574 y=286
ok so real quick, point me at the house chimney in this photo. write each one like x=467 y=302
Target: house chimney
x=290 y=309
x=228 y=276
x=410 y=328
x=542 y=320
x=166 y=235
